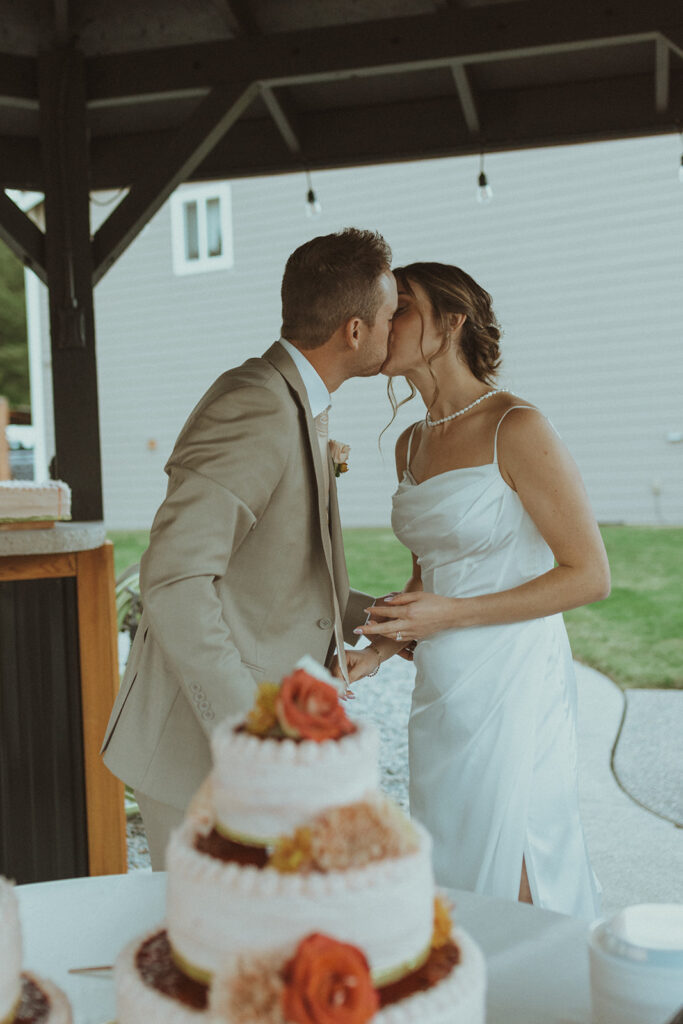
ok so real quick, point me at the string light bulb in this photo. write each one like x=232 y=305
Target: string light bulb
x=484 y=190
x=313 y=205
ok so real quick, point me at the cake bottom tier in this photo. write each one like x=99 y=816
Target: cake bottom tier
x=458 y=999
x=41 y=1002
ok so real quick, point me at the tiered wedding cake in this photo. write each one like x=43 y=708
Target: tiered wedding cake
x=297 y=892
x=24 y=997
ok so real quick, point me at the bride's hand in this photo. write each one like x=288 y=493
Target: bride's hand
x=412 y=616
x=359 y=663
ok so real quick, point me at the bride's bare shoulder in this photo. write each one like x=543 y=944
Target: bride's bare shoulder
x=402 y=447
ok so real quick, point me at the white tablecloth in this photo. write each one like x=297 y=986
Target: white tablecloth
x=537 y=961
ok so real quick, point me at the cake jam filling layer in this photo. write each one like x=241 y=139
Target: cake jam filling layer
x=157 y=968
x=34 y=1005
x=217 y=846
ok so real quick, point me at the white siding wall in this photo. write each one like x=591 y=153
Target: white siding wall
x=580 y=248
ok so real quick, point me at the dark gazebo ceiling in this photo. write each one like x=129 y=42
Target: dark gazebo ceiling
x=323 y=83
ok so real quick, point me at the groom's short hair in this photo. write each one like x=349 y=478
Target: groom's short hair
x=329 y=280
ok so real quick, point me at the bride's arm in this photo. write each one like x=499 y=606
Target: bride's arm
x=366 y=660
x=534 y=462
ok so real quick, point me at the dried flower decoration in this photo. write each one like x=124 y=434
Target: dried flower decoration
x=328 y=982
x=293 y=854
x=443 y=923
x=262 y=719
x=251 y=994
x=301 y=707
x=346 y=838
x=307 y=708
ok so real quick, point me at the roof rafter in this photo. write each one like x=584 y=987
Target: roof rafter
x=467 y=100
x=514 y=30
x=548 y=115
x=173 y=163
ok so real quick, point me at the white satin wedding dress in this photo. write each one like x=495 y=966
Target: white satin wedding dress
x=492 y=734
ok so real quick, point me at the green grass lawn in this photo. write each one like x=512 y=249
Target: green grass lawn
x=635 y=637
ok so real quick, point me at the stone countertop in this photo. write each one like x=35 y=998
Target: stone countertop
x=59 y=539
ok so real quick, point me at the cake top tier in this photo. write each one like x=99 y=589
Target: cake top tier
x=295 y=754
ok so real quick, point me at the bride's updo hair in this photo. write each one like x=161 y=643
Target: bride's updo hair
x=450 y=290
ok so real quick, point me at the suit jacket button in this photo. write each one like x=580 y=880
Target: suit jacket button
x=324 y=623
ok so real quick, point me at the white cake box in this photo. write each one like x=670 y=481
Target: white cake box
x=636 y=965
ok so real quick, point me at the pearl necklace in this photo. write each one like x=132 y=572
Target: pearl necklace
x=461 y=412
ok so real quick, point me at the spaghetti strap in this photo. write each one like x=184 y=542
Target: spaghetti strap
x=410 y=442
x=495 y=439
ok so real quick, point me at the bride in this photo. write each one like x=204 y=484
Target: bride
x=503 y=538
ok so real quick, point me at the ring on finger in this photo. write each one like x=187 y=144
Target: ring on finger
x=398 y=636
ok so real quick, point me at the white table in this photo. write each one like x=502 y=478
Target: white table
x=537 y=961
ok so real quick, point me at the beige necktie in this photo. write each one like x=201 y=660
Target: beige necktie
x=321 y=426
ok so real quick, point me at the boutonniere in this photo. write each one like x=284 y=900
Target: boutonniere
x=340 y=456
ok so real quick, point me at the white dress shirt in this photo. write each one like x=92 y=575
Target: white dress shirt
x=319 y=397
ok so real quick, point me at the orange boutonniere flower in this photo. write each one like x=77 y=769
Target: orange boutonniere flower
x=340 y=457
x=309 y=709
x=328 y=982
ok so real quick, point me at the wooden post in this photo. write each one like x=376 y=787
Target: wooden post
x=97 y=630
x=5 y=473
x=64 y=139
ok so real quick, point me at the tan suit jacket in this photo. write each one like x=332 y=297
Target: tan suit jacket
x=237 y=580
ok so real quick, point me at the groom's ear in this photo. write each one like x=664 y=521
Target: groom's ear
x=353 y=332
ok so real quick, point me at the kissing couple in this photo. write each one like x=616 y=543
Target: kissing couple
x=245 y=571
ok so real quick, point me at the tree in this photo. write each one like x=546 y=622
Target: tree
x=14 y=379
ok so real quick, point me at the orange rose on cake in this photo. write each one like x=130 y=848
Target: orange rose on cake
x=308 y=708
x=328 y=982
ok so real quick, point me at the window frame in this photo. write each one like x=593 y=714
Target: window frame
x=201 y=194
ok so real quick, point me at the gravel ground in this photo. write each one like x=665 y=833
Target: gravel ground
x=647 y=760
x=384 y=700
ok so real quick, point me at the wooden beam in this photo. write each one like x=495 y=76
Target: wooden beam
x=413 y=130
x=64 y=138
x=281 y=110
x=466 y=96
x=18 y=81
x=662 y=74
x=481 y=34
x=243 y=17
x=174 y=163
x=21 y=166
x=23 y=237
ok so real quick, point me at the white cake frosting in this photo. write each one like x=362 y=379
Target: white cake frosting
x=351 y=870
x=25 y=499
x=216 y=911
x=139 y=1003
x=60 y=1008
x=458 y=999
x=11 y=976
x=262 y=789
x=10 y=950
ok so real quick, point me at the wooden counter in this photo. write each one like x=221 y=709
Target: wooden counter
x=77 y=552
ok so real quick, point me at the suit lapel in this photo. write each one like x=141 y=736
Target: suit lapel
x=278 y=357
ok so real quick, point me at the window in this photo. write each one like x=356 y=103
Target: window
x=201 y=226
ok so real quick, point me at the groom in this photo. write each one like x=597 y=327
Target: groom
x=245 y=569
